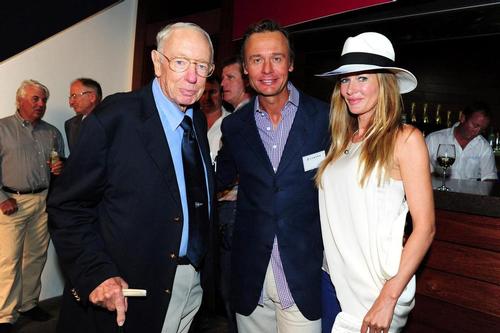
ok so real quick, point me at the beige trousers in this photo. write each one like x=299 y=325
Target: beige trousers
x=185 y=300
x=23 y=251
x=271 y=318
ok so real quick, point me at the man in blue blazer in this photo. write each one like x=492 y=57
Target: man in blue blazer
x=273 y=146
x=120 y=216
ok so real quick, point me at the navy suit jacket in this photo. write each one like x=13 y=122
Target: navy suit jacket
x=116 y=211
x=72 y=129
x=282 y=203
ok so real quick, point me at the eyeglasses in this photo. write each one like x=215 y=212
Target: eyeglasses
x=79 y=94
x=181 y=64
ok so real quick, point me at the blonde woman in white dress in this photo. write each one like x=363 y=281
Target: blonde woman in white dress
x=376 y=169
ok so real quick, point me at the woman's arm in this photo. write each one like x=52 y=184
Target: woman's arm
x=412 y=162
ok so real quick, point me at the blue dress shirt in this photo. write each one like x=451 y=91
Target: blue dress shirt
x=171 y=117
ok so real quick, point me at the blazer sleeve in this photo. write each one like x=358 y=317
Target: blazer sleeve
x=73 y=206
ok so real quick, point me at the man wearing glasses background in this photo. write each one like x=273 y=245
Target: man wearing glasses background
x=84 y=95
x=133 y=207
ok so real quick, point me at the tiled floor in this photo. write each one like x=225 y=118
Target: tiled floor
x=203 y=324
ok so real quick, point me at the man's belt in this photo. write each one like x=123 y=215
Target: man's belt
x=183 y=261
x=14 y=191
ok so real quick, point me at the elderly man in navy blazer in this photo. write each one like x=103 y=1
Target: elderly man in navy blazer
x=273 y=146
x=126 y=213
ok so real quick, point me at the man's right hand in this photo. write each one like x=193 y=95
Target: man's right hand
x=8 y=206
x=109 y=295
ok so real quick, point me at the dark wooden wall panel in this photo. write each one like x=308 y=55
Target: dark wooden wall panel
x=468 y=262
x=471 y=230
x=419 y=328
x=458 y=284
x=469 y=293
x=432 y=315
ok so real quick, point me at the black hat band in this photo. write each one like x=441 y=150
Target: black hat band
x=365 y=58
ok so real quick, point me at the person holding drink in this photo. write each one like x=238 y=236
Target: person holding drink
x=25 y=171
x=374 y=172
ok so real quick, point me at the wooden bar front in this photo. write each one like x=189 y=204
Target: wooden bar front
x=458 y=284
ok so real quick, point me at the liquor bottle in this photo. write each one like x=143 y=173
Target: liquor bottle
x=425 y=114
x=404 y=117
x=448 y=119
x=54 y=156
x=413 y=116
x=426 y=126
x=497 y=142
x=438 y=117
x=492 y=139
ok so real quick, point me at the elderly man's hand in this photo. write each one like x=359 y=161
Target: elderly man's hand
x=8 y=206
x=109 y=295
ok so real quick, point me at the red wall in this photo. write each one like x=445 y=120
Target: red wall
x=290 y=12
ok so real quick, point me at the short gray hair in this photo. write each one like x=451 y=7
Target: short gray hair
x=164 y=33
x=91 y=84
x=21 y=91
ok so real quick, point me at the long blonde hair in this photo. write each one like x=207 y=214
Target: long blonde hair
x=377 y=152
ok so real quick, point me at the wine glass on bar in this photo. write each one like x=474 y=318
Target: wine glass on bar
x=445 y=158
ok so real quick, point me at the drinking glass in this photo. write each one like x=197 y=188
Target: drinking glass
x=445 y=158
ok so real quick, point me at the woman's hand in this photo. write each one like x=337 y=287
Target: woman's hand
x=379 y=317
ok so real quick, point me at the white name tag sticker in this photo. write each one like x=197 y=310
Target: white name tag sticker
x=312 y=161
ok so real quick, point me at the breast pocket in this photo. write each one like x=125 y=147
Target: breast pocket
x=472 y=167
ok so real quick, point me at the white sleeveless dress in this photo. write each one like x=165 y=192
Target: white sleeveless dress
x=362 y=229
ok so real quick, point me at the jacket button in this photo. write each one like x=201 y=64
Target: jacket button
x=177 y=219
x=173 y=256
x=167 y=291
x=75 y=294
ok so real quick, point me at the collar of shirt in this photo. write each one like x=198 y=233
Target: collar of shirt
x=293 y=98
x=170 y=113
x=23 y=122
x=242 y=103
x=451 y=134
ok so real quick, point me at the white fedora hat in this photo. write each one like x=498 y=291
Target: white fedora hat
x=372 y=51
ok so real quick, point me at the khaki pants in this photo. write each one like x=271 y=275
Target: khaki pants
x=271 y=318
x=185 y=300
x=23 y=251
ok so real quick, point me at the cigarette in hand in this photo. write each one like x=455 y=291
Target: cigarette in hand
x=134 y=292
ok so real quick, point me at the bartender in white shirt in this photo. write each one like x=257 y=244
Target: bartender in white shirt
x=474 y=156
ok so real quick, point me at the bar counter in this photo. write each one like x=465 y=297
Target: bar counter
x=458 y=283
x=468 y=196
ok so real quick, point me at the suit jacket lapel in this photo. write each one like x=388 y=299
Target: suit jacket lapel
x=297 y=136
x=251 y=135
x=152 y=135
x=74 y=129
